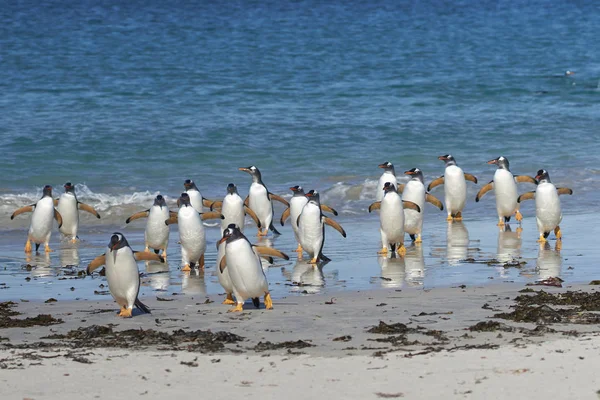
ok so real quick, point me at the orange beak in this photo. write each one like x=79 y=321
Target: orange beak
x=494 y=161
x=382 y=165
x=443 y=158
x=409 y=173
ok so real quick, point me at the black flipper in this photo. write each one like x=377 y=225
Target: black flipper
x=141 y=306
x=256 y=302
x=412 y=237
x=272 y=228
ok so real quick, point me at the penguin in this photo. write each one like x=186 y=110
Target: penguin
x=311 y=228
x=68 y=205
x=40 y=228
x=297 y=202
x=242 y=261
x=505 y=188
x=122 y=273
x=547 y=205
x=455 y=187
x=389 y=175
x=392 y=219
x=196 y=199
x=156 y=235
x=414 y=190
x=260 y=201
x=191 y=232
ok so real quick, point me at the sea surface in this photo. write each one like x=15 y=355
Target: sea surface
x=129 y=99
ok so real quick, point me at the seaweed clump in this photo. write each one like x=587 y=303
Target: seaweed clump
x=7 y=312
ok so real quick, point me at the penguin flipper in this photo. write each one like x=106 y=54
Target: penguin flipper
x=207 y=202
x=211 y=215
x=411 y=205
x=254 y=217
x=434 y=200
x=147 y=256
x=269 y=251
x=95 y=263
x=58 y=217
x=88 y=208
x=436 y=182
x=524 y=179
x=483 y=191
x=328 y=209
x=22 y=210
x=141 y=306
x=56 y=202
x=526 y=196
x=470 y=177
x=400 y=188
x=247 y=201
x=334 y=225
x=223 y=264
x=279 y=199
x=272 y=228
x=285 y=215
x=375 y=206
x=141 y=214
x=216 y=204
x=172 y=220
x=562 y=190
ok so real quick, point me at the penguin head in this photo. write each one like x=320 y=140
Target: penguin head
x=47 y=191
x=189 y=185
x=231 y=189
x=501 y=162
x=117 y=241
x=313 y=197
x=298 y=190
x=253 y=171
x=69 y=188
x=415 y=173
x=231 y=233
x=387 y=166
x=160 y=201
x=388 y=187
x=542 y=176
x=184 y=200
x=448 y=159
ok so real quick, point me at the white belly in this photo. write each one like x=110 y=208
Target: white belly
x=547 y=207
x=233 y=211
x=123 y=278
x=455 y=189
x=385 y=177
x=223 y=277
x=296 y=205
x=245 y=271
x=41 y=221
x=67 y=207
x=505 y=189
x=191 y=235
x=413 y=220
x=310 y=230
x=195 y=199
x=157 y=232
x=392 y=218
x=261 y=204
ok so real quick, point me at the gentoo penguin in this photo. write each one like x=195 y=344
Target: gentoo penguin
x=392 y=219
x=547 y=205
x=455 y=187
x=41 y=220
x=389 y=175
x=298 y=202
x=196 y=199
x=414 y=190
x=68 y=205
x=242 y=261
x=505 y=188
x=191 y=232
x=311 y=228
x=260 y=201
x=156 y=235
x=122 y=273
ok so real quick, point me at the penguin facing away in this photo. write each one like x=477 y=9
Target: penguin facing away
x=455 y=187
x=389 y=175
x=68 y=206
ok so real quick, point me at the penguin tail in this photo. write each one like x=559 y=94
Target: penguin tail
x=323 y=257
x=156 y=251
x=141 y=306
x=393 y=246
x=272 y=228
x=413 y=237
x=256 y=302
x=507 y=219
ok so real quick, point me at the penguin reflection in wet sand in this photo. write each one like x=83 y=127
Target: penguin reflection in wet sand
x=392 y=219
x=40 y=228
x=260 y=201
x=415 y=191
x=311 y=228
x=389 y=175
x=297 y=203
x=68 y=206
x=455 y=187
x=196 y=199
x=191 y=232
x=122 y=273
x=505 y=188
x=242 y=261
x=156 y=235
x=547 y=205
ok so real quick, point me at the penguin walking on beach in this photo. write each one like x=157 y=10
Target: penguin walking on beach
x=260 y=201
x=68 y=206
x=156 y=235
x=414 y=190
x=311 y=228
x=297 y=203
x=505 y=188
x=547 y=205
x=192 y=235
x=196 y=199
x=392 y=219
x=455 y=187
x=389 y=175
x=43 y=215
x=242 y=261
x=122 y=273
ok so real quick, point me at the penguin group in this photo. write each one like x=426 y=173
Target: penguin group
x=239 y=262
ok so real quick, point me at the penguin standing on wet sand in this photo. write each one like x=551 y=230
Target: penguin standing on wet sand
x=389 y=175
x=122 y=273
x=40 y=228
x=505 y=188
x=455 y=187
x=156 y=235
x=196 y=199
x=68 y=206
x=547 y=205
x=260 y=201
